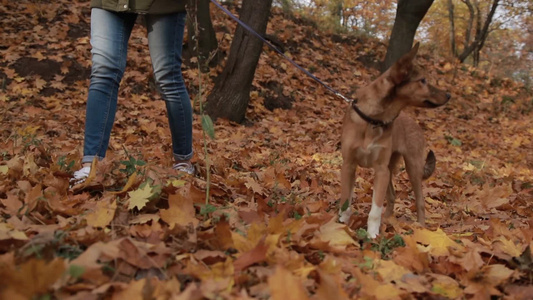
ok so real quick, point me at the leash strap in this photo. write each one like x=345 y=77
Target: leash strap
x=248 y=28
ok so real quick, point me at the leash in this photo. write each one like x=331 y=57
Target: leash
x=248 y=28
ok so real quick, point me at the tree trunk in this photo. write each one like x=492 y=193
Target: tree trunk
x=408 y=16
x=231 y=93
x=470 y=27
x=481 y=34
x=452 y=27
x=202 y=38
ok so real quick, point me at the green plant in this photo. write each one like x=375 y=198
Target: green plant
x=64 y=165
x=76 y=271
x=386 y=246
x=453 y=141
x=130 y=166
x=381 y=244
x=26 y=141
x=368 y=263
x=208 y=128
x=207 y=209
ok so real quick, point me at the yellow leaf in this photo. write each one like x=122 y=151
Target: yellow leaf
x=176 y=182
x=103 y=214
x=28 y=130
x=285 y=286
x=140 y=197
x=129 y=184
x=390 y=271
x=8 y=232
x=446 y=286
x=4 y=169
x=437 y=241
x=335 y=233
x=507 y=246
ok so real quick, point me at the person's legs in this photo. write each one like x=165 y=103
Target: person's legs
x=110 y=32
x=165 y=38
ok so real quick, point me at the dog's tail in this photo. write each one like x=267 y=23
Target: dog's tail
x=429 y=167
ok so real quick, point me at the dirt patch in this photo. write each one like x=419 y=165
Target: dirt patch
x=29 y=66
x=4 y=81
x=47 y=69
x=275 y=98
x=370 y=61
x=78 y=30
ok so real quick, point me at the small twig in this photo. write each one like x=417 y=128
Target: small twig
x=192 y=12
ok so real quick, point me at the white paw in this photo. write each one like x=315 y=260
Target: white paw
x=373 y=228
x=374 y=221
x=344 y=216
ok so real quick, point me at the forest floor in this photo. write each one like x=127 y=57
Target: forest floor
x=269 y=227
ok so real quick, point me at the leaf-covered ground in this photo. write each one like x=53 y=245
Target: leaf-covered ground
x=269 y=228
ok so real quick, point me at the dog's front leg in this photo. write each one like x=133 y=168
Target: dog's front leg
x=381 y=182
x=347 y=182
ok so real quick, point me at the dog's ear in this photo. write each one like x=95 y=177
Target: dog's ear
x=401 y=69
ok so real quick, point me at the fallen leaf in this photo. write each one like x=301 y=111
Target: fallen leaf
x=139 y=197
x=335 y=234
x=437 y=242
x=12 y=204
x=257 y=254
x=8 y=232
x=103 y=213
x=284 y=285
x=445 y=286
x=134 y=291
x=32 y=278
x=180 y=212
x=485 y=280
x=506 y=246
x=375 y=289
x=330 y=287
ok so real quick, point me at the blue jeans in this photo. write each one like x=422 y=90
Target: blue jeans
x=110 y=33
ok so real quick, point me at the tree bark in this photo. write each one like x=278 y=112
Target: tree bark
x=408 y=16
x=202 y=38
x=470 y=27
x=231 y=93
x=451 y=17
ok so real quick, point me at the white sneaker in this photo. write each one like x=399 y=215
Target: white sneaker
x=185 y=167
x=80 y=176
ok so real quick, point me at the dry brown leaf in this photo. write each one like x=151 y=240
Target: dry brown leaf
x=180 y=212
x=285 y=286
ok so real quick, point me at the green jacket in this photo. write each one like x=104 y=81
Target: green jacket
x=141 y=6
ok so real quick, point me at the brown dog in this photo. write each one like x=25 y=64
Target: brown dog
x=375 y=134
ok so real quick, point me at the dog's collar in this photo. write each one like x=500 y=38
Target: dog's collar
x=370 y=120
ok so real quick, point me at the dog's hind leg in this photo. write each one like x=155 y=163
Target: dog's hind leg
x=415 y=170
